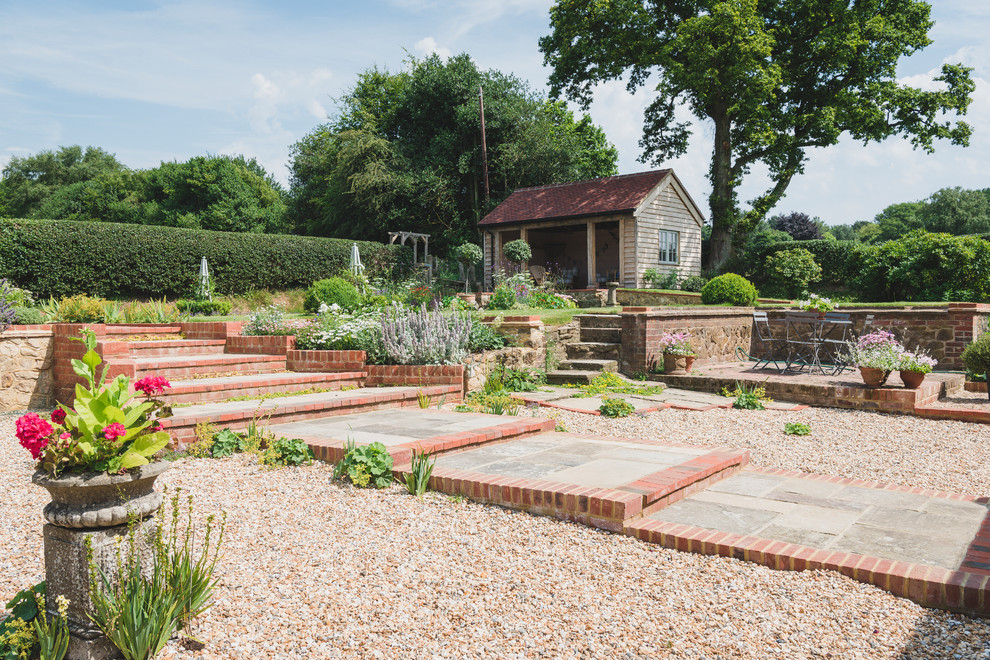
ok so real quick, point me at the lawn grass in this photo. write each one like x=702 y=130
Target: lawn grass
x=551 y=316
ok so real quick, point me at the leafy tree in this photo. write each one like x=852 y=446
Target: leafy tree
x=29 y=181
x=843 y=232
x=404 y=152
x=955 y=211
x=774 y=78
x=800 y=226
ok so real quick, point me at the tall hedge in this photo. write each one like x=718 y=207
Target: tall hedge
x=838 y=259
x=62 y=258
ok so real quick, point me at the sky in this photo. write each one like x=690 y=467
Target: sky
x=161 y=81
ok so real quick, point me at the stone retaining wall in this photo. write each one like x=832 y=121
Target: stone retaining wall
x=556 y=338
x=646 y=298
x=26 y=354
x=479 y=365
x=716 y=332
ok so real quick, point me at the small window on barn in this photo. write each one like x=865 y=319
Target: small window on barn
x=669 y=247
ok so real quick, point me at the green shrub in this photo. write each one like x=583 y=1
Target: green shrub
x=28 y=316
x=729 y=289
x=484 y=338
x=694 y=283
x=64 y=258
x=503 y=298
x=285 y=452
x=838 y=259
x=976 y=356
x=226 y=443
x=797 y=428
x=791 y=271
x=615 y=408
x=81 y=309
x=517 y=251
x=367 y=465
x=657 y=280
x=204 y=307
x=334 y=290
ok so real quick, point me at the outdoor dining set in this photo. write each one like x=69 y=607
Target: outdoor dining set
x=805 y=340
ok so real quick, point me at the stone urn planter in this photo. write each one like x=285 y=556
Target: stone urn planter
x=471 y=298
x=93 y=509
x=677 y=364
x=912 y=379
x=873 y=377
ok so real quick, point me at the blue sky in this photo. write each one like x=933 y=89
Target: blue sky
x=154 y=81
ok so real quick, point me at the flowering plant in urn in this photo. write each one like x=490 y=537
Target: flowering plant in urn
x=107 y=429
x=676 y=343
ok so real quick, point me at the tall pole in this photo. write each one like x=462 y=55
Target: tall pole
x=484 y=147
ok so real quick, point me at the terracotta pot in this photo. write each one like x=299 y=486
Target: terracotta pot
x=468 y=297
x=912 y=379
x=874 y=377
x=98 y=499
x=677 y=364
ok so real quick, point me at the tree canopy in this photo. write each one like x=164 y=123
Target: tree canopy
x=955 y=210
x=404 y=152
x=774 y=77
x=223 y=193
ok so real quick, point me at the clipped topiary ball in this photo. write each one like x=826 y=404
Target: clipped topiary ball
x=330 y=291
x=468 y=253
x=976 y=356
x=517 y=251
x=729 y=289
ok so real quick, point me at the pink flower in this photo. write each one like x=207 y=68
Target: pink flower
x=58 y=415
x=156 y=428
x=114 y=431
x=33 y=433
x=65 y=436
x=152 y=385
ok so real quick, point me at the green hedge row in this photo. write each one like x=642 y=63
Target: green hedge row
x=63 y=258
x=837 y=258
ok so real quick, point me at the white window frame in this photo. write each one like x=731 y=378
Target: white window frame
x=666 y=239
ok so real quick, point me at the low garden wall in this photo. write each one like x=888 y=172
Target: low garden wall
x=415 y=374
x=263 y=344
x=525 y=331
x=716 y=332
x=312 y=361
x=26 y=356
x=942 y=331
x=646 y=298
x=479 y=365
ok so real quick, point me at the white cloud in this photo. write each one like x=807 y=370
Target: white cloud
x=428 y=46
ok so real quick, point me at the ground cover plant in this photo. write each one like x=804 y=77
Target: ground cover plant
x=614 y=407
x=611 y=383
x=365 y=466
x=747 y=398
x=797 y=428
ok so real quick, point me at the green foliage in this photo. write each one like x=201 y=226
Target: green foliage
x=797 y=428
x=500 y=404
x=544 y=299
x=729 y=289
x=748 y=398
x=611 y=383
x=693 y=283
x=792 y=271
x=976 y=356
x=204 y=307
x=420 y=471
x=923 y=267
x=29 y=316
x=61 y=258
x=657 y=280
x=364 y=466
x=334 y=290
x=517 y=251
x=81 y=309
x=615 y=408
x=484 y=338
x=266 y=321
x=18 y=637
x=226 y=443
x=797 y=225
x=775 y=79
x=285 y=452
x=468 y=253
x=504 y=297
x=521 y=380
x=836 y=258
x=403 y=153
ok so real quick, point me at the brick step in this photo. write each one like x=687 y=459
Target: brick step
x=602 y=335
x=175 y=347
x=281 y=410
x=144 y=329
x=613 y=321
x=571 y=377
x=204 y=365
x=589 y=365
x=579 y=350
x=203 y=390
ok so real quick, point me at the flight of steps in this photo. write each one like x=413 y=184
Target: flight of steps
x=597 y=351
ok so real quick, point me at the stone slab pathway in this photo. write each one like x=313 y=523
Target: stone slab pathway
x=565 y=399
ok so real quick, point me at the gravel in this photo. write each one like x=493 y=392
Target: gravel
x=964 y=399
x=315 y=569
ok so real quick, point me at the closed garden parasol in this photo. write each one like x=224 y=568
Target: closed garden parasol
x=356 y=267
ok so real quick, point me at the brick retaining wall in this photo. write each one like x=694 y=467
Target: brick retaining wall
x=265 y=345
x=646 y=298
x=414 y=374
x=309 y=361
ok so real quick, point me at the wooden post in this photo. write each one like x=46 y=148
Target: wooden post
x=524 y=236
x=592 y=279
x=622 y=252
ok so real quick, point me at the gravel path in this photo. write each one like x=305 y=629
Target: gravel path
x=964 y=399
x=936 y=454
x=313 y=569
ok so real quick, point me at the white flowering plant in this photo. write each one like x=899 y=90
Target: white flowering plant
x=334 y=330
x=877 y=350
x=919 y=362
x=816 y=303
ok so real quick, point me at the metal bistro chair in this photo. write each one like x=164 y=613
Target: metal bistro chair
x=834 y=340
x=802 y=347
x=772 y=345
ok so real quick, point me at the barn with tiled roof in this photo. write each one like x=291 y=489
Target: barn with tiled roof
x=586 y=233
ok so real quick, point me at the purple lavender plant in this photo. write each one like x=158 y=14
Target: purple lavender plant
x=423 y=336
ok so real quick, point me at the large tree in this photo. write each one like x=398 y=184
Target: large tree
x=404 y=152
x=774 y=77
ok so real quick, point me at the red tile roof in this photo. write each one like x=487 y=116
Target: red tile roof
x=613 y=194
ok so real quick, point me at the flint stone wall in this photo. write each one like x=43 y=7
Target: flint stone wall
x=26 y=379
x=716 y=332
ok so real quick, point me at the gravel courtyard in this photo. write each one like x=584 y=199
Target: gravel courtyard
x=314 y=569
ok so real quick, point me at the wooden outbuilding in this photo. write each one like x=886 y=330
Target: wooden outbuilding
x=587 y=233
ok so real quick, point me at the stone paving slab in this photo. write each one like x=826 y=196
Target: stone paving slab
x=563 y=398
x=929 y=546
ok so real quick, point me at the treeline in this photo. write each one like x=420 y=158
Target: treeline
x=956 y=211
x=403 y=153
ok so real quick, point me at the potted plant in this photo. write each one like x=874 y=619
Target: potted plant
x=678 y=354
x=876 y=354
x=913 y=368
x=816 y=303
x=976 y=357
x=467 y=256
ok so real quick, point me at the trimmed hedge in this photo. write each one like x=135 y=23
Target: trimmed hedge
x=63 y=258
x=838 y=259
